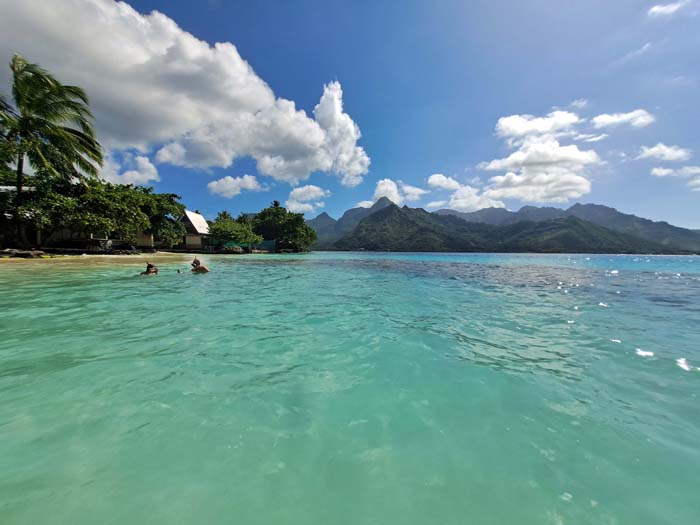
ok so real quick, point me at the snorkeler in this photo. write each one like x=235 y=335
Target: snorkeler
x=198 y=267
x=151 y=269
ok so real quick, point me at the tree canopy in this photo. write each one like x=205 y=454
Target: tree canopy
x=104 y=209
x=228 y=229
x=287 y=228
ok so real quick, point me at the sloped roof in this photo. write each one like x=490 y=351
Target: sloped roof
x=198 y=222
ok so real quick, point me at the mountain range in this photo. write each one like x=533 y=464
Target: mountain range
x=582 y=228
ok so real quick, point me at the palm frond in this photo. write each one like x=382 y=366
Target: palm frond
x=52 y=122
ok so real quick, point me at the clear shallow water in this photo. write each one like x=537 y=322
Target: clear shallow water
x=351 y=388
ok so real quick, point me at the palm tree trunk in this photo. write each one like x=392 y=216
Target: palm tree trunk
x=20 y=174
x=20 y=238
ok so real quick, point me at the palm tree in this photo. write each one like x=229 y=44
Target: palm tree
x=49 y=125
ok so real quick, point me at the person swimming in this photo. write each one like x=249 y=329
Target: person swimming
x=151 y=269
x=198 y=267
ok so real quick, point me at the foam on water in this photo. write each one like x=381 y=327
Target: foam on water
x=683 y=363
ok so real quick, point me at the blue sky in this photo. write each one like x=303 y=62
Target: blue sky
x=459 y=104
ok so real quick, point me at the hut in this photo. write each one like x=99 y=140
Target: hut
x=197 y=229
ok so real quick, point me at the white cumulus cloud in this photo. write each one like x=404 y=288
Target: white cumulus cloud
x=662 y=172
x=308 y=193
x=541 y=169
x=411 y=193
x=152 y=86
x=397 y=192
x=661 y=10
x=463 y=198
x=685 y=171
x=518 y=127
x=555 y=184
x=305 y=199
x=543 y=154
x=590 y=137
x=440 y=181
x=139 y=170
x=389 y=189
x=468 y=199
x=639 y=118
x=229 y=186
x=663 y=152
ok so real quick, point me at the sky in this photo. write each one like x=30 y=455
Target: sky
x=327 y=105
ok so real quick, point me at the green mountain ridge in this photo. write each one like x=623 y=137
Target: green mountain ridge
x=330 y=230
x=661 y=232
x=414 y=229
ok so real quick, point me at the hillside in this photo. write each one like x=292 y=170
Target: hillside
x=503 y=217
x=330 y=230
x=406 y=229
x=655 y=232
x=659 y=232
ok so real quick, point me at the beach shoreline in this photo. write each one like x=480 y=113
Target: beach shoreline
x=95 y=257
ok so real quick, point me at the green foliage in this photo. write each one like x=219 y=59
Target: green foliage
x=104 y=209
x=50 y=124
x=7 y=178
x=245 y=218
x=289 y=229
x=168 y=232
x=164 y=213
x=227 y=229
x=93 y=207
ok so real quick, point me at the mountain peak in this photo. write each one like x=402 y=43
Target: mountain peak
x=382 y=202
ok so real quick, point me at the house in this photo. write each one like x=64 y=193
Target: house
x=197 y=229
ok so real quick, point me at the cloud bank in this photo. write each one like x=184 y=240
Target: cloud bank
x=541 y=169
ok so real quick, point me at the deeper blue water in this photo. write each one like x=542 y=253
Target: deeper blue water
x=339 y=388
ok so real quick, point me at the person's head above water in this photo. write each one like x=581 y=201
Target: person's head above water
x=195 y=263
x=151 y=269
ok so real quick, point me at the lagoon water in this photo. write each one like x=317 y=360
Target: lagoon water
x=338 y=388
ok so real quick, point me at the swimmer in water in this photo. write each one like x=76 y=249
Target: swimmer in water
x=151 y=269
x=198 y=267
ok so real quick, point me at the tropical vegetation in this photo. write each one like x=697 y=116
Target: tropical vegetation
x=229 y=230
x=49 y=124
x=288 y=228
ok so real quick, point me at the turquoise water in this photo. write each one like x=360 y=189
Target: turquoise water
x=351 y=389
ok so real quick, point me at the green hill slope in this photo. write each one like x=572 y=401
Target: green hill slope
x=406 y=229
